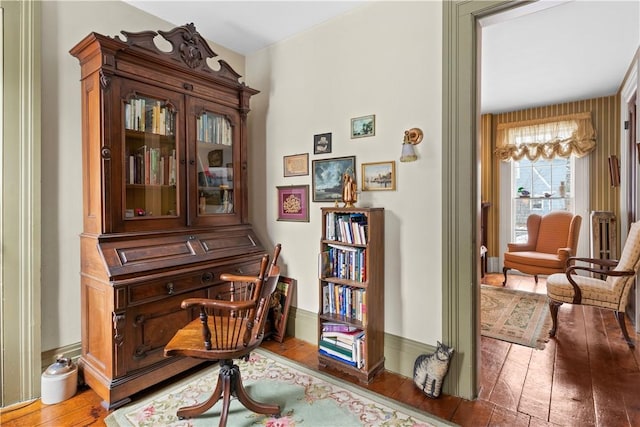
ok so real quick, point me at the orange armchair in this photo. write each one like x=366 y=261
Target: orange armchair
x=552 y=239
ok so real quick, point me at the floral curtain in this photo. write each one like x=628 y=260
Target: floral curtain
x=561 y=136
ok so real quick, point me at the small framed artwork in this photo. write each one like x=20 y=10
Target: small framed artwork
x=279 y=307
x=327 y=175
x=293 y=203
x=322 y=143
x=379 y=176
x=363 y=126
x=296 y=165
x=215 y=158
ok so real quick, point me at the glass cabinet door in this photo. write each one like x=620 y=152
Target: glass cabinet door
x=215 y=164
x=216 y=156
x=151 y=171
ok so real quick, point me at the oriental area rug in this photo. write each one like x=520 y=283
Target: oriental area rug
x=308 y=398
x=515 y=316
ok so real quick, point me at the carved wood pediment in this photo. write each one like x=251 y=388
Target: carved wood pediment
x=187 y=47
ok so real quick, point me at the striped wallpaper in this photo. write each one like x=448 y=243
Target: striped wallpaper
x=605 y=113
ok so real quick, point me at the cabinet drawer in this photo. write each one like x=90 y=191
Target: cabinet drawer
x=175 y=285
x=170 y=286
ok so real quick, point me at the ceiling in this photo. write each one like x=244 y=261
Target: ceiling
x=543 y=53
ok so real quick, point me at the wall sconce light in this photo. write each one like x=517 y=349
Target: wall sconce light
x=412 y=137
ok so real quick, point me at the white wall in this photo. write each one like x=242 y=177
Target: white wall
x=383 y=58
x=65 y=23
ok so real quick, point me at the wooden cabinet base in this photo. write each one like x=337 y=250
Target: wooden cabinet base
x=117 y=392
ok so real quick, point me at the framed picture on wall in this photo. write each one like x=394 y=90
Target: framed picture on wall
x=293 y=203
x=363 y=126
x=378 y=176
x=296 y=165
x=327 y=175
x=322 y=143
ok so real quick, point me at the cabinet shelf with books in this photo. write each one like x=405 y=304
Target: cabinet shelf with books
x=351 y=290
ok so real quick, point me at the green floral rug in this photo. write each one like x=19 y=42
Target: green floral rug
x=515 y=316
x=308 y=398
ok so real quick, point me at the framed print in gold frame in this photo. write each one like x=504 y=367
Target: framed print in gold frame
x=296 y=165
x=379 y=176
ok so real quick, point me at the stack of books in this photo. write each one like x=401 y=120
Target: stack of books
x=344 y=343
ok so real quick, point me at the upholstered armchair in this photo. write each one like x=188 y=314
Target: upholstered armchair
x=552 y=239
x=606 y=286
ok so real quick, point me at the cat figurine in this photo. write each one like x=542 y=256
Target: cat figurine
x=429 y=370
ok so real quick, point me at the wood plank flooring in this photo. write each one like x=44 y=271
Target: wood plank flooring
x=587 y=376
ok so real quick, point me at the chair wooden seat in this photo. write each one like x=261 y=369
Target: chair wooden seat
x=609 y=289
x=229 y=327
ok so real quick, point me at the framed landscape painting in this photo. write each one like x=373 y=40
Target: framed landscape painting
x=363 y=126
x=327 y=177
x=378 y=176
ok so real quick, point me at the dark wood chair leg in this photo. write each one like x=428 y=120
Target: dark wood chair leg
x=195 y=410
x=620 y=317
x=504 y=271
x=229 y=385
x=200 y=408
x=535 y=277
x=553 y=309
x=252 y=405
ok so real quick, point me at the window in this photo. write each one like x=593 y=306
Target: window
x=547 y=163
x=549 y=183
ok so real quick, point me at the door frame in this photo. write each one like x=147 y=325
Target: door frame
x=629 y=90
x=461 y=201
x=20 y=215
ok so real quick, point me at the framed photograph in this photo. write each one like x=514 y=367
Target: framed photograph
x=363 y=126
x=296 y=165
x=327 y=177
x=279 y=307
x=215 y=158
x=293 y=203
x=378 y=176
x=322 y=143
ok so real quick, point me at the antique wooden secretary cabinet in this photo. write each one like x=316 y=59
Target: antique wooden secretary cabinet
x=164 y=199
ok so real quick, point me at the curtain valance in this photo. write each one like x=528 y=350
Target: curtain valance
x=560 y=136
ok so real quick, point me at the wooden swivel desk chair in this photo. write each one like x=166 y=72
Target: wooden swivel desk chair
x=229 y=328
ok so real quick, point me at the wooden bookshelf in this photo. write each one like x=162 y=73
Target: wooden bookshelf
x=351 y=291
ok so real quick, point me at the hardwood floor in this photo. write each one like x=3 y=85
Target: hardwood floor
x=587 y=376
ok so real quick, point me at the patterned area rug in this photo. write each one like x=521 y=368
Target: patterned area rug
x=309 y=398
x=515 y=316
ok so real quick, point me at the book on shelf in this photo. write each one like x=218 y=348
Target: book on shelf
x=347 y=227
x=338 y=327
x=348 y=349
x=337 y=356
x=148 y=166
x=344 y=336
x=346 y=262
x=345 y=350
x=345 y=301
